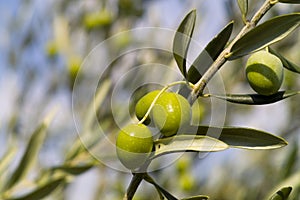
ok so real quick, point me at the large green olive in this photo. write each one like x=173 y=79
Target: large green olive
x=134 y=145
x=264 y=72
x=170 y=113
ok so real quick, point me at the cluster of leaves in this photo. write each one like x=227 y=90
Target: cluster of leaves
x=252 y=38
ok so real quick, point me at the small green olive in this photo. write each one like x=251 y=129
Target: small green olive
x=264 y=72
x=134 y=145
x=143 y=105
x=170 y=113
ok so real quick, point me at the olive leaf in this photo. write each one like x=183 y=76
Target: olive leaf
x=240 y=137
x=182 y=40
x=290 y=161
x=282 y=194
x=286 y=63
x=35 y=142
x=265 y=34
x=254 y=99
x=290 y=1
x=73 y=170
x=198 y=197
x=243 y=5
x=183 y=143
x=209 y=54
x=41 y=191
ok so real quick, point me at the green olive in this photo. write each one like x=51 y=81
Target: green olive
x=264 y=72
x=170 y=113
x=134 y=145
x=143 y=105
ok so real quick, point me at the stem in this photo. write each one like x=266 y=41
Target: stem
x=135 y=182
x=158 y=95
x=222 y=58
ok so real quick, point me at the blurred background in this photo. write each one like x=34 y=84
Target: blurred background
x=43 y=45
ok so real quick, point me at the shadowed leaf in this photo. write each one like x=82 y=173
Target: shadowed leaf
x=286 y=63
x=290 y=1
x=255 y=99
x=265 y=34
x=74 y=170
x=209 y=54
x=182 y=40
x=282 y=194
x=199 y=197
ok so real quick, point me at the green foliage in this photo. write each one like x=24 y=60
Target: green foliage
x=265 y=34
x=282 y=194
x=182 y=40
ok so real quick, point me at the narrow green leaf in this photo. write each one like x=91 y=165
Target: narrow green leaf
x=182 y=40
x=255 y=99
x=198 y=197
x=209 y=54
x=290 y=1
x=286 y=63
x=7 y=158
x=183 y=143
x=265 y=34
x=282 y=194
x=73 y=170
x=243 y=5
x=290 y=161
x=41 y=191
x=30 y=154
x=246 y=138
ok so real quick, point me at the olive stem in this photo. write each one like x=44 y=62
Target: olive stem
x=134 y=183
x=158 y=95
x=222 y=58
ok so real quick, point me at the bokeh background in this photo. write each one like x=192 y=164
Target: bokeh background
x=43 y=44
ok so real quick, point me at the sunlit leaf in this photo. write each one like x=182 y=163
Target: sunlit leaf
x=286 y=63
x=240 y=137
x=30 y=155
x=255 y=99
x=243 y=5
x=265 y=34
x=182 y=40
x=290 y=1
x=209 y=54
x=183 y=143
x=199 y=197
x=41 y=191
x=282 y=194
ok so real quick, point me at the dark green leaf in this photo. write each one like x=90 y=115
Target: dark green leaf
x=255 y=99
x=282 y=194
x=41 y=191
x=182 y=40
x=30 y=154
x=183 y=143
x=209 y=54
x=290 y=1
x=240 y=137
x=265 y=34
x=199 y=197
x=74 y=170
x=286 y=63
x=149 y=179
x=243 y=5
